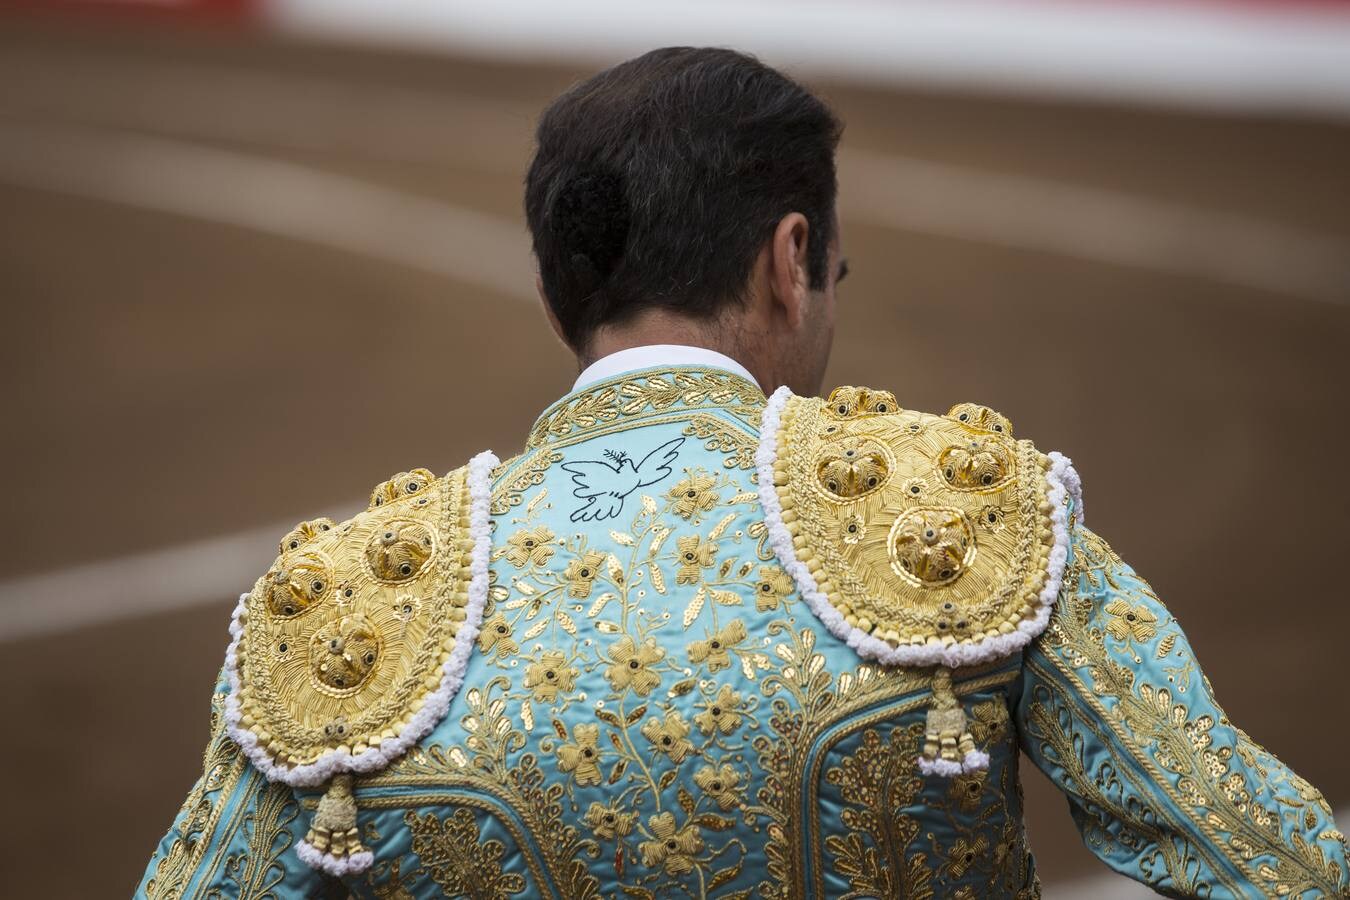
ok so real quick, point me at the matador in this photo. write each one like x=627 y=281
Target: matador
x=708 y=635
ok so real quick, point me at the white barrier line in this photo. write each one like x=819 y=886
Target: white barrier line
x=198 y=573
x=1093 y=224
x=292 y=110
x=1192 y=55
x=1022 y=212
x=273 y=197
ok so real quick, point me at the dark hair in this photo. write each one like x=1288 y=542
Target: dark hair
x=655 y=184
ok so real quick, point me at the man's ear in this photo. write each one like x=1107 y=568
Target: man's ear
x=548 y=311
x=789 y=276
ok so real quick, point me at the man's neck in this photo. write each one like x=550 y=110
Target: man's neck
x=651 y=328
x=658 y=327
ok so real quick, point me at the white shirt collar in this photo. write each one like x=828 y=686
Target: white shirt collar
x=657 y=355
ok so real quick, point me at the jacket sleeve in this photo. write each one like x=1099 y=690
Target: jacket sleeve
x=1163 y=786
x=234 y=835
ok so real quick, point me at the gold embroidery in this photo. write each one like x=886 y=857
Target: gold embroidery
x=774 y=586
x=495 y=637
x=885 y=503
x=199 y=817
x=693 y=495
x=847 y=402
x=550 y=676
x=632 y=666
x=609 y=822
x=258 y=871
x=721 y=784
x=507 y=493
x=387 y=881
x=718 y=434
x=1173 y=746
x=581 y=574
x=884 y=853
x=458 y=861
x=808 y=704
x=607 y=401
x=721 y=713
x=519 y=787
x=976 y=416
x=530 y=546
x=875 y=853
x=671 y=846
x=669 y=736
x=402 y=485
x=715 y=650
x=580 y=757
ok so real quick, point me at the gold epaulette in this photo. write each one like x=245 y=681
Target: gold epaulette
x=931 y=535
x=922 y=540
x=349 y=649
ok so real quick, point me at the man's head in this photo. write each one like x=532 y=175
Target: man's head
x=688 y=196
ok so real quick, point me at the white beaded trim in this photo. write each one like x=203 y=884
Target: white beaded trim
x=436 y=704
x=337 y=866
x=1060 y=475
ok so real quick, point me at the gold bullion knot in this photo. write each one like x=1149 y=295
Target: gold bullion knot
x=852 y=467
x=847 y=402
x=297 y=582
x=402 y=485
x=304 y=533
x=931 y=545
x=342 y=653
x=976 y=465
x=973 y=415
x=397 y=552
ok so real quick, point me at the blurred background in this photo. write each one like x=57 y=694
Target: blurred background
x=257 y=255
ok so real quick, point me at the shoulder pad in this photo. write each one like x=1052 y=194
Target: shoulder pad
x=349 y=649
x=919 y=539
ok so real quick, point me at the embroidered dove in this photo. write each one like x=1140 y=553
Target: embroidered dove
x=605 y=484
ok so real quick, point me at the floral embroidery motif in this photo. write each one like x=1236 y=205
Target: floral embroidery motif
x=549 y=675
x=715 y=651
x=608 y=822
x=581 y=755
x=495 y=638
x=671 y=846
x=773 y=587
x=581 y=574
x=1130 y=622
x=696 y=554
x=694 y=495
x=722 y=713
x=670 y=736
x=632 y=666
x=532 y=545
x=721 y=784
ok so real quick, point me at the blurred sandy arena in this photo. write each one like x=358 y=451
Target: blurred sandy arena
x=257 y=256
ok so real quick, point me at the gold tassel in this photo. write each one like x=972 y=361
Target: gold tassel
x=948 y=748
x=333 y=830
